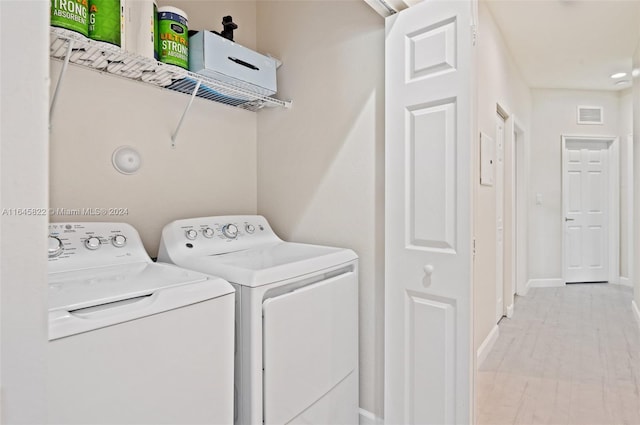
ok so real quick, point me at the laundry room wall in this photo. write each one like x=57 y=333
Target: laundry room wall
x=321 y=164
x=212 y=170
x=500 y=82
x=554 y=114
x=626 y=174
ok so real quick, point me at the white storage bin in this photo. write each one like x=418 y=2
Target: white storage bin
x=217 y=57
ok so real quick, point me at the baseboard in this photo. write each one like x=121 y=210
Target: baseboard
x=510 y=311
x=636 y=312
x=625 y=281
x=545 y=283
x=487 y=345
x=368 y=418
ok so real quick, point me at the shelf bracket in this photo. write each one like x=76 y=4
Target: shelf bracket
x=184 y=114
x=63 y=71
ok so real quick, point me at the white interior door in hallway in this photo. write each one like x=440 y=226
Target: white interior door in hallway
x=428 y=214
x=586 y=205
x=500 y=125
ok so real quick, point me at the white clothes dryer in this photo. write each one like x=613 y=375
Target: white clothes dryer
x=296 y=317
x=132 y=341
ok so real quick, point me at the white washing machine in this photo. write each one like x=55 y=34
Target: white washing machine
x=132 y=341
x=296 y=317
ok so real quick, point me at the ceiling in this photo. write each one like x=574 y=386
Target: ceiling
x=573 y=44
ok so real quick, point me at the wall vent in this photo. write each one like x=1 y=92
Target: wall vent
x=590 y=115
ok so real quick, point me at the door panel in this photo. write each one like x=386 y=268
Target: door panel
x=430 y=320
x=575 y=193
x=432 y=219
x=429 y=134
x=432 y=50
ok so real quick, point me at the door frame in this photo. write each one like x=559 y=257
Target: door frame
x=519 y=196
x=613 y=220
x=630 y=224
x=500 y=190
x=517 y=170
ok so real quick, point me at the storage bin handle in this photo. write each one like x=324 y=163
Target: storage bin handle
x=243 y=63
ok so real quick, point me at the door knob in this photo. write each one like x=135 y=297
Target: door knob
x=428 y=269
x=568 y=219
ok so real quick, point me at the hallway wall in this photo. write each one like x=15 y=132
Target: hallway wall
x=554 y=114
x=500 y=82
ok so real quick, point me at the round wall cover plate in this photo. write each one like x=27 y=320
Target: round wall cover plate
x=126 y=160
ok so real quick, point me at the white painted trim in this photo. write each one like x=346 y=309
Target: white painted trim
x=500 y=172
x=510 y=311
x=630 y=224
x=614 y=211
x=636 y=312
x=614 y=200
x=625 y=281
x=368 y=418
x=545 y=283
x=520 y=195
x=487 y=345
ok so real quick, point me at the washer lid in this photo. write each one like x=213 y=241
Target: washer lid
x=271 y=263
x=75 y=290
x=82 y=301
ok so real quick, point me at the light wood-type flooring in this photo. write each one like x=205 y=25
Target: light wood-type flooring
x=569 y=355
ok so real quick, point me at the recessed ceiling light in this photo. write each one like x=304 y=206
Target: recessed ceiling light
x=619 y=75
x=621 y=82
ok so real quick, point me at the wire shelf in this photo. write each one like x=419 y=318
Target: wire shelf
x=110 y=59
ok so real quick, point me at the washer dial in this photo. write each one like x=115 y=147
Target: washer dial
x=119 y=241
x=230 y=231
x=92 y=243
x=191 y=234
x=208 y=232
x=250 y=228
x=55 y=247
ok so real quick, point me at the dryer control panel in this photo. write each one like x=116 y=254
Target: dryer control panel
x=79 y=245
x=214 y=235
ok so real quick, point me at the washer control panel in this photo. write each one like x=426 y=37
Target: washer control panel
x=215 y=235
x=83 y=245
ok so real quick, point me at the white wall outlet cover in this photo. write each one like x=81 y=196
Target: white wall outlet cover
x=126 y=160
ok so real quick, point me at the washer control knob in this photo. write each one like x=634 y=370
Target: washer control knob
x=250 y=228
x=55 y=247
x=92 y=243
x=230 y=231
x=191 y=234
x=208 y=232
x=119 y=241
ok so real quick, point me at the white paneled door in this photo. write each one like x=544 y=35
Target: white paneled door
x=429 y=151
x=585 y=204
